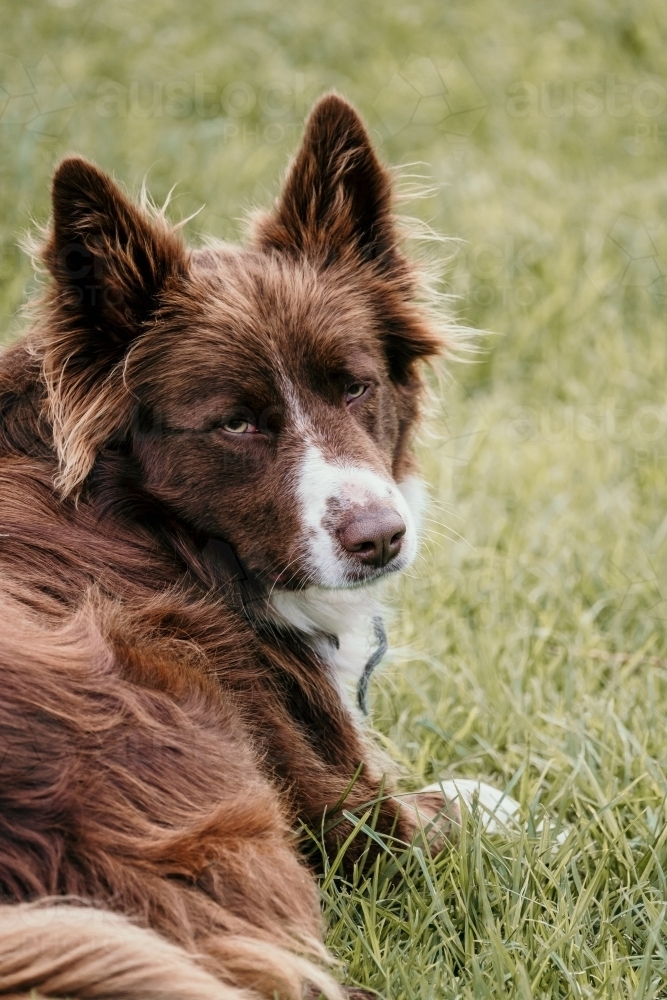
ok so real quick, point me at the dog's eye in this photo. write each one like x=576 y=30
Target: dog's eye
x=238 y=425
x=355 y=391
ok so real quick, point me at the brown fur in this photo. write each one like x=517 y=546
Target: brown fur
x=160 y=737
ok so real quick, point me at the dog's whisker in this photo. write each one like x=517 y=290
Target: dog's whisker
x=437 y=520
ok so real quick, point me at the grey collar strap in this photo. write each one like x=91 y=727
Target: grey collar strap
x=371 y=664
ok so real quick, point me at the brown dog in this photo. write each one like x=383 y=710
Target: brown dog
x=204 y=468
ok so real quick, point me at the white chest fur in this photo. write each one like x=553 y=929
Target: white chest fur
x=341 y=627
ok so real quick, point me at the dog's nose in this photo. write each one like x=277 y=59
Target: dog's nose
x=373 y=537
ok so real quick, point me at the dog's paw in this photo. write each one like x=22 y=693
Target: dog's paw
x=497 y=810
x=431 y=815
x=436 y=809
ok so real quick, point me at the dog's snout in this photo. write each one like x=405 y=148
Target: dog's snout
x=373 y=536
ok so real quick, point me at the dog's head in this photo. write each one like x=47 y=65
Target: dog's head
x=263 y=395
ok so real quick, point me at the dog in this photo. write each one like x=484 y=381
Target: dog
x=205 y=475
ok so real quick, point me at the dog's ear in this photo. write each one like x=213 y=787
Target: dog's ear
x=110 y=263
x=337 y=204
x=337 y=195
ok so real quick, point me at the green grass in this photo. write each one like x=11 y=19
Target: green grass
x=530 y=639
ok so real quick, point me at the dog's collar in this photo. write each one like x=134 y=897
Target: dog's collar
x=228 y=568
x=371 y=663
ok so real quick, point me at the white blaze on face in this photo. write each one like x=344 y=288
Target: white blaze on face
x=324 y=485
x=331 y=607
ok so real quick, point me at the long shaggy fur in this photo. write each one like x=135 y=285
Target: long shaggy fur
x=162 y=731
x=70 y=950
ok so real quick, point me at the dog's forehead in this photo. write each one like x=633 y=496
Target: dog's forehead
x=272 y=312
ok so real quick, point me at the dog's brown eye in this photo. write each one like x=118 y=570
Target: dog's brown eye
x=355 y=391
x=237 y=425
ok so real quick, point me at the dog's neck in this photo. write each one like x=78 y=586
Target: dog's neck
x=344 y=628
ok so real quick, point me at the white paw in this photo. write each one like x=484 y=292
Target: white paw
x=497 y=810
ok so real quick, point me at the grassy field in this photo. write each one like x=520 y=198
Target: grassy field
x=529 y=643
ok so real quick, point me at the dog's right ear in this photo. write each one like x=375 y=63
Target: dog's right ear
x=110 y=263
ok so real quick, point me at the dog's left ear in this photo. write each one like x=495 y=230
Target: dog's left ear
x=337 y=195
x=337 y=205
